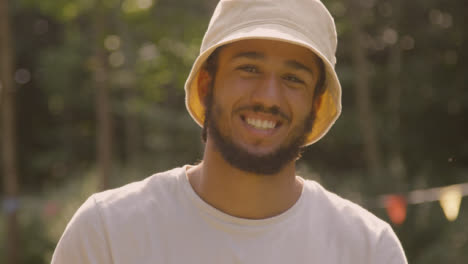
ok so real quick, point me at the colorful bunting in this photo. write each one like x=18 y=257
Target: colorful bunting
x=396 y=205
x=450 y=199
x=396 y=208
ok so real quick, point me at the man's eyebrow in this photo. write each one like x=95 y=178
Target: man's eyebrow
x=298 y=66
x=249 y=55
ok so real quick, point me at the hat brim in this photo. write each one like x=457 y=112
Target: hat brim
x=330 y=106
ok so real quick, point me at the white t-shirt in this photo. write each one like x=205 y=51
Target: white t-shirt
x=162 y=220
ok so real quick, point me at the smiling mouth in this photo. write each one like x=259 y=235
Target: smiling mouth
x=260 y=123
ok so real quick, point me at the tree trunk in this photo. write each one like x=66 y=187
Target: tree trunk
x=103 y=112
x=7 y=98
x=363 y=100
x=396 y=165
x=130 y=118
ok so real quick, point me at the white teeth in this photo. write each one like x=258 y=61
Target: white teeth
x=257 y=123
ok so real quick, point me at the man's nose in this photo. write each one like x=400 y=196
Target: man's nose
x=268 y=92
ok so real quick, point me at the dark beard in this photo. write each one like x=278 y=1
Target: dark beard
x=240 y=158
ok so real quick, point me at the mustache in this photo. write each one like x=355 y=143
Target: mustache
x=258 y=108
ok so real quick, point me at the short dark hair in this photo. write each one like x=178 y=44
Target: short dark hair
x=211 y=63
x=211 y=67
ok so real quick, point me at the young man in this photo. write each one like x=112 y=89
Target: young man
x=263 y=87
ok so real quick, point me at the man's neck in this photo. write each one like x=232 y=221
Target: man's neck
x=242 y=194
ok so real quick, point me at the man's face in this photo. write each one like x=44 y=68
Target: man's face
x=260 y=109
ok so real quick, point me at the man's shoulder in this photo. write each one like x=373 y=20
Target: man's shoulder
x=132 y=203
x=109 y=219
x=351 y=228
x=154 y=187
x=344 y=212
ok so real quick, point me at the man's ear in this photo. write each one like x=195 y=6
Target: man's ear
x=204 y=81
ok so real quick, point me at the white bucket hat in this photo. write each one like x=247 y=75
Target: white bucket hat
x=302 y=22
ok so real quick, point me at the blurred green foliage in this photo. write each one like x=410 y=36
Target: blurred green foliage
x=151 y=45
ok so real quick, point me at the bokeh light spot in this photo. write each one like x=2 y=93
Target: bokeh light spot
x=440 y=18
x=112 y=42
x=130 y=6
x=148 y=51
x=22 y=76
x=144 y=4
x=116 y=59
x=390 y=36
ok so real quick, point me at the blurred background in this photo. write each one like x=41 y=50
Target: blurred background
x=92 y=98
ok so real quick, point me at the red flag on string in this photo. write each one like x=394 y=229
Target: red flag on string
x=396 y=208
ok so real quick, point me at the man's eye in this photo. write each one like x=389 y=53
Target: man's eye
x=293 y=78
x=249 y=68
